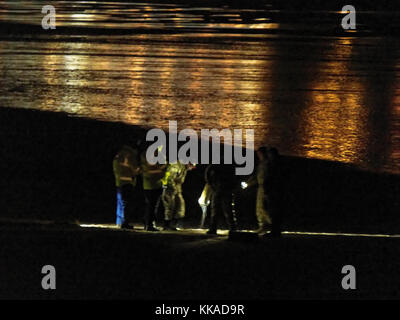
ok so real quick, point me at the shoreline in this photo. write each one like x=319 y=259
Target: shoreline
x=59 y=168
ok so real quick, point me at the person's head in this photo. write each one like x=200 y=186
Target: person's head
x=273 y=154
x=262 y=153
x=191 y=166
x=138 y=144
x=124 y=152
x=126 y=148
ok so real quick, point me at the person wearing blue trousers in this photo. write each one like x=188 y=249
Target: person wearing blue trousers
x=126 y=168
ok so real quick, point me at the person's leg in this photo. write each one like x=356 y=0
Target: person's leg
x=126 y=195
x=230 y=219
x=149 y=212
x=136 y=203
x=158 y=205
x=179 y=212
x=120 y=208
x=276 y=217
x=180 y=206
x=214 y=208
x=152 y=198
x=263 y=218
x=168 y=198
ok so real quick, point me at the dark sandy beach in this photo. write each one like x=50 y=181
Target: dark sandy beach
x=113 y=264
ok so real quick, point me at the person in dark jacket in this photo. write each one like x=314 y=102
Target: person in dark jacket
x=263 y=216
x=221 y=179
x=269 y=183
x=153 y=175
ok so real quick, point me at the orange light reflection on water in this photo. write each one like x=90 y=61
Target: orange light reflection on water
x=334 y=120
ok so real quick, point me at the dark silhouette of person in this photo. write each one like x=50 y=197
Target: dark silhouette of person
x=152 y=188
x=221 y=179
x=259 y=178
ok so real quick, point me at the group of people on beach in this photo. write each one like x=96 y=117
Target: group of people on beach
x=163 y=183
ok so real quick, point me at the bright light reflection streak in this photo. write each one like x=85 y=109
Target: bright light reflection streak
x=334 y=234
x=225 y=232
x=100 y=226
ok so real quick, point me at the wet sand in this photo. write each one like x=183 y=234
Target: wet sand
x=113 y=264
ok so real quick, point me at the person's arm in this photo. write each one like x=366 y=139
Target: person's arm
x=116 y=168
x=251 y=181
x=124 y=163
x=183 y=176
x=207 y=174
x=157 y=169
x=135 y=168
x=117 y=164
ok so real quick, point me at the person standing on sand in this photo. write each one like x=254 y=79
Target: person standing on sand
x=126 y=168
x=263 y=218
x=174 y=203
x=221 y=179
x=269 y=192
x=152 y=187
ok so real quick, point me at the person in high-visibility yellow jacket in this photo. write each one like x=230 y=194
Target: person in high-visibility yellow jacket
x=174 y=203
x=152 y=188
x=126 y=168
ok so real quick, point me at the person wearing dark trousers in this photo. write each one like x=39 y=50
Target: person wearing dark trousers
x=222 y=182
x=152 y=199
x=259 y=178
x=152 y=187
